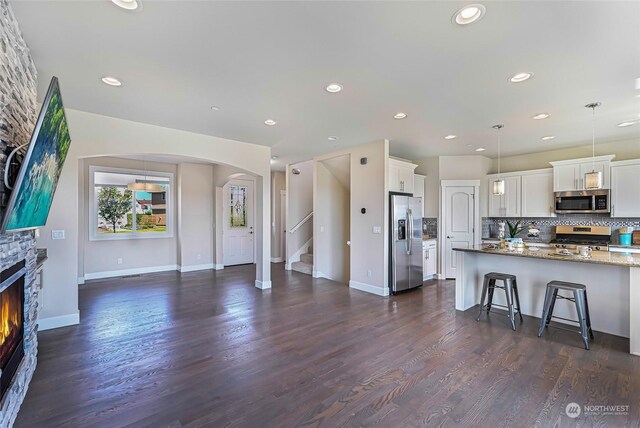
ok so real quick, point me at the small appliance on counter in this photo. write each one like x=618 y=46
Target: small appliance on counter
x=625 y=236
x=635 y=239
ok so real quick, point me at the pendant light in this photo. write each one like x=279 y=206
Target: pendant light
x=498 y=185
x=145 y=186
x=593 y=179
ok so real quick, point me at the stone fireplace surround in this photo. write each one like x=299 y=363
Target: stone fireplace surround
x=14 y=248
x=18 y=112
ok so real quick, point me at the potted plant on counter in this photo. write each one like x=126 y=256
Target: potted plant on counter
x=514 y=228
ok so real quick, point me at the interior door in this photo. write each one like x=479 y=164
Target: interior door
x=458 y=224
x=238 y=223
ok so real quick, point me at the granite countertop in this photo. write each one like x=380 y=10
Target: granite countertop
x=597 y=257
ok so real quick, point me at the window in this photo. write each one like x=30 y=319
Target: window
x=238 y=206
x=117 y=212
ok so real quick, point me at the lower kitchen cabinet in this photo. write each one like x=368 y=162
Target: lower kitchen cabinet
x=429 y=259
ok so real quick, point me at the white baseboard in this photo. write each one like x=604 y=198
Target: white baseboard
x=80 y=280
x=125 y=272
x=318 y=274
x=218 y=266
x=369 y=288
x=59 y=321
x=263 y=285
x=277 y=259
x=287 y=266
x=194 y=268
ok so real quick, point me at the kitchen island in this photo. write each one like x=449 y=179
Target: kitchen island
x=612 y=281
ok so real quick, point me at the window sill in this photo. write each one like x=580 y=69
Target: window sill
x=133 y=237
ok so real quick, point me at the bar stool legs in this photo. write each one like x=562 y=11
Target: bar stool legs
x=510 y=288
x=579 y=292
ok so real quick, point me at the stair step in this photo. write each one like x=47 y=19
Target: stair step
x=302 y=267
x=307 y=258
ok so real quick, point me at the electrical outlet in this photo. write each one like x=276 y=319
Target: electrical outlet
x=369 y=273
x=321 y=229
x=377 y=229
x=199 y=256
x=57 y=234
x=119 y=260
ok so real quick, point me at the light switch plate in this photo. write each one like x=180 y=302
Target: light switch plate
x=377 y=229
x=57 y=234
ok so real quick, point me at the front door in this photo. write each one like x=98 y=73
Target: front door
x=238 y=222
x=459 y=218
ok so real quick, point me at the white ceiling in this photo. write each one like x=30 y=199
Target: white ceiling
x=272 y=60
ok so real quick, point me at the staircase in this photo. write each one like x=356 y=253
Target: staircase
x=305 y=265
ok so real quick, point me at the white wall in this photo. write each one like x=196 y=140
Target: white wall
x=299 y=204
x=369 y=190
x=100 y=257
x=196 y=194
x=332 y=220
x=624 y=150
x=277 y=185
x=95 y=135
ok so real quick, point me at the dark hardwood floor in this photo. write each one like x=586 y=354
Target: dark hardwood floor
x=209 y=349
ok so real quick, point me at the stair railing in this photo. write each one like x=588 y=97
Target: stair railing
x=301 y=222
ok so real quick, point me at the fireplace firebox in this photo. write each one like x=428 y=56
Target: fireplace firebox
x=11 y=322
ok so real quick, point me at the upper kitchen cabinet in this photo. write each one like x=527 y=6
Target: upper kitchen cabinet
x=418 y=189
x=537 y=193
x=625 y=191
x=401 y=176
x=568 y=175
x=509 y=204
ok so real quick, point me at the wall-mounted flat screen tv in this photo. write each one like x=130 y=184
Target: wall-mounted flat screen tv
x=35 y=186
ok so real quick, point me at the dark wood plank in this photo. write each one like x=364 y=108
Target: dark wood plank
x=209 y=349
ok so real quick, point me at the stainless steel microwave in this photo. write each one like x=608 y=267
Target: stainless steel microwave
x=583 y=201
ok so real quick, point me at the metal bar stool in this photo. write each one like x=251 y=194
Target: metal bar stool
x=582 y=307
x=510 y=287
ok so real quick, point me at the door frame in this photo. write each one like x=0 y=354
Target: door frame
x=225 y=201
x=477 y=226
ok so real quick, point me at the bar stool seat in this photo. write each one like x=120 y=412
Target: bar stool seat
x=579 y=299
x=510 y=287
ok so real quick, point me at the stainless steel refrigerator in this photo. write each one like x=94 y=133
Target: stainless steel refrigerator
x=405 y=253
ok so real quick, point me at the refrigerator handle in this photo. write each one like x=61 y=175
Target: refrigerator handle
x=409 y=231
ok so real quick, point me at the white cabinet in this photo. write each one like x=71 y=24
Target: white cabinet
x=401 y=176
x=625 y=190
x=509 y=204
x=569 y=175
x=537 y=194
x=429 y=259
x=418 y=189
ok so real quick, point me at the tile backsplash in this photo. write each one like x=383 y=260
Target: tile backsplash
x=547 y=225
x=430 y=226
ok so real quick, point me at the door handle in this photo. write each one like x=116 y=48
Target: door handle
x=450 y=237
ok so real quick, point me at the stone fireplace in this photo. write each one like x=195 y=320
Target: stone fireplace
x=18 y=112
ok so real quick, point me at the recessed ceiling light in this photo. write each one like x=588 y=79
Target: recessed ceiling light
x=400 y=115
x=334 y=87
x=270 y=122
x=215 y=108
x=111 y=81
x=627 y=123
x=468 y=14
x=467 y=145
x=332 y=138
x=548 y=137
x=541 y=116
x=274 y=157
x=128 y=4
x=450 y=137
x=480 y=149
x=521 y=77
